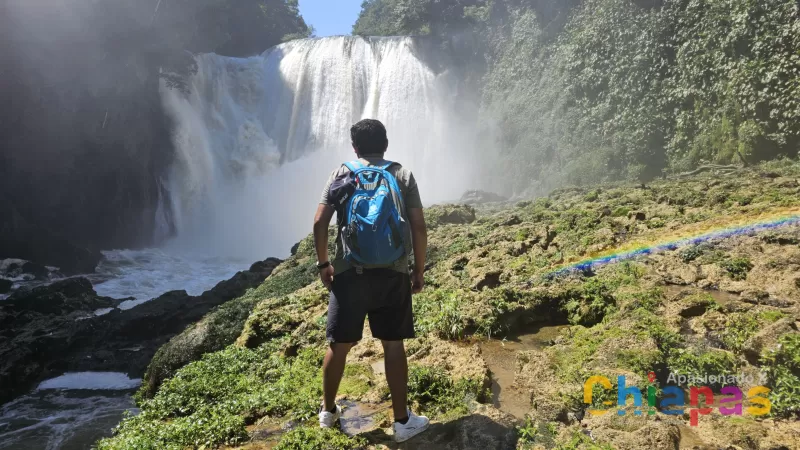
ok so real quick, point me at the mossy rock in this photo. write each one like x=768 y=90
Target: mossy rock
x=449 y=214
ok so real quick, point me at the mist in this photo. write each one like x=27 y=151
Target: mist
x=257 y=138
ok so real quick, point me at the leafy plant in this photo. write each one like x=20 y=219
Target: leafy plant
x=439 y=395
x=737 y=268
x=782 y=366
x=315 y=438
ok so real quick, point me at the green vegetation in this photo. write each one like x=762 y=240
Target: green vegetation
x=496 y=275
x=737 y=268
x=222 y=326
x=596 y=90
x=782 y=366
x=698 y=363
x=210 y=401
x=315 y=438
x=742 y=326
x=438 y=395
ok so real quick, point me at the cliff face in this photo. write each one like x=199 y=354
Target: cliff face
x=84 y=141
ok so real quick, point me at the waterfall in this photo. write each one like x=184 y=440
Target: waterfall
x=256 y=138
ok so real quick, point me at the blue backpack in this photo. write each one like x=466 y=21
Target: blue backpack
x=373 y=230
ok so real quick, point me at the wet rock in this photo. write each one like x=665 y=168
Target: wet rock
x=485 y=428
x=52 y=329
x=535 y=376
x=5 y=286
x=477 y=197
x=62 y=297
x=39 y=272
x=767 y=339
x=630 y=432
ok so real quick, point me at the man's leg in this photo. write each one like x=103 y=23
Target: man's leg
x=332 y=372
x=397 y=377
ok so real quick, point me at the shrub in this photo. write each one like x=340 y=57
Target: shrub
x=737 y=268
x=439 y=395
x=782 y=366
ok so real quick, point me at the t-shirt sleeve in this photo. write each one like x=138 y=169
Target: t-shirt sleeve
x=326 y=193
x=412 y=199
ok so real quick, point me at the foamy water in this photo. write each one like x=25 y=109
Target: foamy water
x=148 y=273
x=70 y=412
x=110 y=381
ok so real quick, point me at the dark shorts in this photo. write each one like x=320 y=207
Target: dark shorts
x=383 y=295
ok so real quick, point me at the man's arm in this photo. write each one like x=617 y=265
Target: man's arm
x=321 y=222
x=419 y=239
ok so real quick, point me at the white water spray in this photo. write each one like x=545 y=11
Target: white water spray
x=257 y=137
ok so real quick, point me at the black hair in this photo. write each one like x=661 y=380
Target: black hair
x=369 y=137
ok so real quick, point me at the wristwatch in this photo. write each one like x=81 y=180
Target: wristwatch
x=323 y=265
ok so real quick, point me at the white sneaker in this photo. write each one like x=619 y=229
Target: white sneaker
x=328 y=419
x=415 y=425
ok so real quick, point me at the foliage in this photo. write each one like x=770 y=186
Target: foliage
x=590 y=91
x=532 y=433
x=439 y=395
x=698 y=363
x=209 y=402
x=315 y=438
x=737 y=268
x=741 y=326
x=782 y=366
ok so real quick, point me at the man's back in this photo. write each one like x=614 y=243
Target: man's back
x=409 y=192
x=375 y=292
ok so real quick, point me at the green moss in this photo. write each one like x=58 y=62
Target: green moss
x=315 y=438
x=620 y=211
x=209 y=402
x=782 y=366
x=439 y=396
x=357 y=380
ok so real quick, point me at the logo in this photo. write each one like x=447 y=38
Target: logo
x=673 y=399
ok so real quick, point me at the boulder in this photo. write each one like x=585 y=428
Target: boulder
x=630 y=432
x=767 y=339
x=449 y=214
x=476 y=197
x=62 y=297
x=39 y=272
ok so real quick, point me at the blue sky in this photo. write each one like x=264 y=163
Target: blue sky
x=330 y=17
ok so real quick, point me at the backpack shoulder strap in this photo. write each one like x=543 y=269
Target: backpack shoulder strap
x=353 y=165
x=387 y=165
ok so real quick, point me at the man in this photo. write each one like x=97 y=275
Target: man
x=383 y=294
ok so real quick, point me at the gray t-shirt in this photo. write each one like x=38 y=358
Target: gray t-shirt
x=411 y=199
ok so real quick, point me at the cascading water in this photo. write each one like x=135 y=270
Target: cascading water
x=257 y=137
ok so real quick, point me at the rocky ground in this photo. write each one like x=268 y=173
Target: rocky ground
x=507 y=337
x=55 y=328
